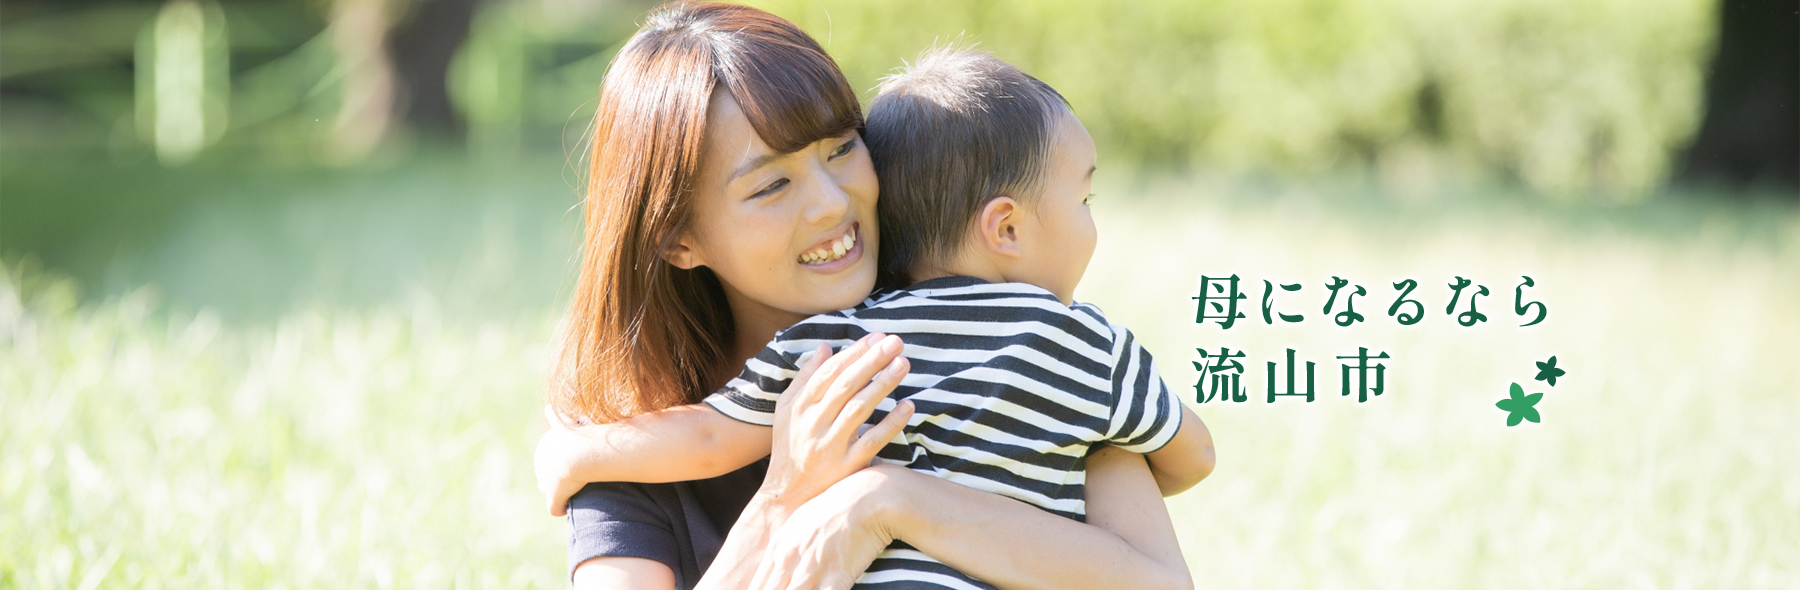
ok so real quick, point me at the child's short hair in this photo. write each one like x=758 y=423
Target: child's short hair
x=947 y=134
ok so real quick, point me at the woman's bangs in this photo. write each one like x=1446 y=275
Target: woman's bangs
x=794 y=98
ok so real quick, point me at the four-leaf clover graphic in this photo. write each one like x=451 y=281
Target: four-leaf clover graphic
x=1519 y=406
x=1548 y=372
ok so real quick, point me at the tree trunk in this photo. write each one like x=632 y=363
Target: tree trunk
x=422 y=45
x=1751 y=132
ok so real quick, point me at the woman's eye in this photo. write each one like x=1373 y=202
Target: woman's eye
x=773 y=186
x=843 y=149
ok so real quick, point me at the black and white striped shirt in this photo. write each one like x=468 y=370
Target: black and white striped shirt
x=1010 y=388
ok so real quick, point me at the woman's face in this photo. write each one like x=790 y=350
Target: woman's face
x=785 y=233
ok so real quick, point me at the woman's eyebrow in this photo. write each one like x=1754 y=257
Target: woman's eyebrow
x=753 y=164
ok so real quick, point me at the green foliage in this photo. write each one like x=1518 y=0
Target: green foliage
x=1573 y=98
x=529 y=73
x=1570 y=96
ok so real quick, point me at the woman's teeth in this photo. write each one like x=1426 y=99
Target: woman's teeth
x=832 y=252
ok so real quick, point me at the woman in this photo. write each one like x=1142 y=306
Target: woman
x=725 y=147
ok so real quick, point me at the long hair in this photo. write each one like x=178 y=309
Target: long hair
x=642 y=334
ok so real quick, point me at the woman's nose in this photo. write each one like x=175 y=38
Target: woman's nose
x=829 y=202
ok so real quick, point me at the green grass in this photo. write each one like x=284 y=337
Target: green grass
x=330 y=449
x=1666 y=456
x=142 y=445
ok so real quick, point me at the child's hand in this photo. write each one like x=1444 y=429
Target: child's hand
x=560 y=454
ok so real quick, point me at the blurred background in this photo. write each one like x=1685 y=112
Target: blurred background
x=279 y=275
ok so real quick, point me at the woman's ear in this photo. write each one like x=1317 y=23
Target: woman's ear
x=682 y=254
x=999 y=225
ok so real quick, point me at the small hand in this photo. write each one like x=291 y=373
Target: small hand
x=558 y=453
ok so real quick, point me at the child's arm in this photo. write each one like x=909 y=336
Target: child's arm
x=1149 y=418
x=677 y=444
x=727 y=431
x=1186 y=459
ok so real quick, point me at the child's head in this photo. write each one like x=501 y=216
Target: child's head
x=984 y=171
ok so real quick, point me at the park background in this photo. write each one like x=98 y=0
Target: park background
x=280 y=275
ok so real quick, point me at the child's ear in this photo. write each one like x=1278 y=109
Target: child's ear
x=682 y=254
x=999 y=225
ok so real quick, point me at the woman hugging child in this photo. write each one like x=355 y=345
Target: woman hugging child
x=1004 y=384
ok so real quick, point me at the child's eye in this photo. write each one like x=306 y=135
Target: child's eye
x=843 y=149
x=1088 y=200
x=773 y=186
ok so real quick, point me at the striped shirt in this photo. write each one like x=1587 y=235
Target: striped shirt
x=1010 y=390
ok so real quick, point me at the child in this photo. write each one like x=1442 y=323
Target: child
x=984 y=176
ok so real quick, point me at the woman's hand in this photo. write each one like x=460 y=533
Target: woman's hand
x=831 y=539
x=816 y=444
x=816 y=441
x=1128 y=540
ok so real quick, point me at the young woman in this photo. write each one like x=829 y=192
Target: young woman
x=725 y=147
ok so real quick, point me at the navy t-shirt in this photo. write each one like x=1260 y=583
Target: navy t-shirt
x=681 y=524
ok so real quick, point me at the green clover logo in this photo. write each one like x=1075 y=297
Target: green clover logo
x=1548 y=372
x=1519 y=406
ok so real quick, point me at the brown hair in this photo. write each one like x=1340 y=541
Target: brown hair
x=642 y=334
x=947 y=134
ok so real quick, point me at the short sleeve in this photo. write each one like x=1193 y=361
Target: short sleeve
x=751 y=396
x=620 y=520
x=1145 y=414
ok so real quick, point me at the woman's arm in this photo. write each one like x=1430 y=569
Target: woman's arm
x=1128 y=541
x=820 y=518
x=817 y=443
x=608 y=573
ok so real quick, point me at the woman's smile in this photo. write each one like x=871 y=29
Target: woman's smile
x=835 y=254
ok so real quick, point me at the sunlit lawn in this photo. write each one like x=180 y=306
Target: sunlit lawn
x=1666 y=457
x=389 y=445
